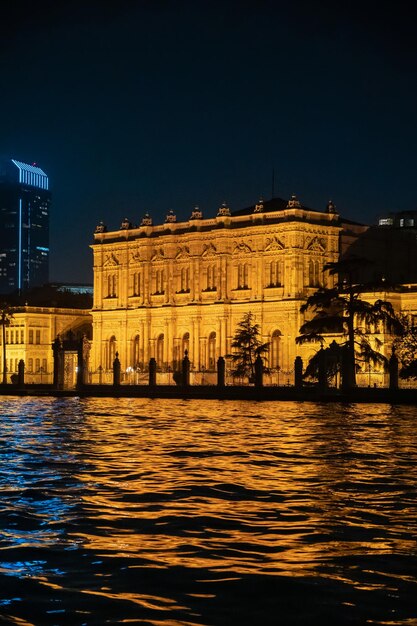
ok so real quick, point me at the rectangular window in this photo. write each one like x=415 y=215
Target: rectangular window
x=38 y=336
x=31 y=335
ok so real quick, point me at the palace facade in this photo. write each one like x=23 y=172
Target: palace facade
x=161 y=290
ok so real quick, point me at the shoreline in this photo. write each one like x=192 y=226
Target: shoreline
x=207 y=392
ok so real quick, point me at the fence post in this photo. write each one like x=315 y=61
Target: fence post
x=221 y=371
x=259 y=371
x=298 y=372
x=21 y=373
x=393 y=371
x=186 y=370
x=116 y=371
x=152 y=372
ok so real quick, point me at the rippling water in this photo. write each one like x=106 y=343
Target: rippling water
x=169 y=512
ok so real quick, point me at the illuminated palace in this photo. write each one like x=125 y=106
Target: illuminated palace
x=160 y=290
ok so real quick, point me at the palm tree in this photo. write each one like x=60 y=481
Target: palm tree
x=247 y=347
x=341 y=310
x=5 y=317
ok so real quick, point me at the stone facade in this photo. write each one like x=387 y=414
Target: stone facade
x=30 y=335
x=162 y=289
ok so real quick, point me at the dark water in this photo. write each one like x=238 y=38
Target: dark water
x=207 y=513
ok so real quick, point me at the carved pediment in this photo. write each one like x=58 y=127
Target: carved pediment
x=110 y=260
x=158 y=255
x=135 y=257
x=273 y=244
x=209 y=250
x=242 y=248
x=183 y=252
x=315 y=244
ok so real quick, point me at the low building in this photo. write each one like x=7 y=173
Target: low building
x=30 y=334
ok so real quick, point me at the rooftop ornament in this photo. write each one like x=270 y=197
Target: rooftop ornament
x=259 y=208
x=196 y=214
x=171 y=217
x=101 y=228
x=126 y=224
x=293 y=203
x=331 y=208
x=223 y=211
x=146 y=220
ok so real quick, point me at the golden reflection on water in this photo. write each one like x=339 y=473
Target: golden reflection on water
x=156 y=505
x=241 y=487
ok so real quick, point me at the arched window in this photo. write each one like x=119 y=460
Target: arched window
x=185 y=279
x=275 y=274
x=211 y=278
x=136 y=284
x=314 y=273
x=274 y=349
x=111 y=352
x=135 y=351
x=185 y=344
x=160 y=350
x=159 y=281
x=243 y=276
x=212 y=351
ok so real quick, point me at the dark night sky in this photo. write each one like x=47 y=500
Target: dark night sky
x=135 y=106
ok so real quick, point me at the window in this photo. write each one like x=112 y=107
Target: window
x=211 y=278
x=31 y=335
x=185 y=279
x=160 y=350
x=314 y=273
x=185 y=344
x=22 y=340
x=159 y=282
x=37 y=365
x=30 y=365
x=135 y=351
x=111 y=286
x=212 y=351
x=111 y=352
x=136 y=284
x=275 y=274
x=242 y=276
x=274 y=349
x=38 y=336
x=44 y=365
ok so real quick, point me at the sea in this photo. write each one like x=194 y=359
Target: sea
x=207 y=513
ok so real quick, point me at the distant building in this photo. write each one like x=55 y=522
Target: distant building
x=391 y=249
x=30 y=335
x=24 y=226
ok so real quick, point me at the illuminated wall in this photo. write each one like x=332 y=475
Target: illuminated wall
x=160 y=290
x=30 y=334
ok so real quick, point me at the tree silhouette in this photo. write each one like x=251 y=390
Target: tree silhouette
x=342 y=310
x=247 y=346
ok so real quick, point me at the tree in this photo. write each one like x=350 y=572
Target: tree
x=342 y=310
x=247 y=346
x=405 y=347
x=5 y=317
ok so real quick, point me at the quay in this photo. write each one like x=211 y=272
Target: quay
x=214 y=392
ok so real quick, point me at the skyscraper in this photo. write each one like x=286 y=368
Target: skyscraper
x=24 y=226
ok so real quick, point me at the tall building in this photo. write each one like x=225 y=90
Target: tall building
x=24 y=226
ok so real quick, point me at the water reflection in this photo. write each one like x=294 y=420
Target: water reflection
x=190 y=512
